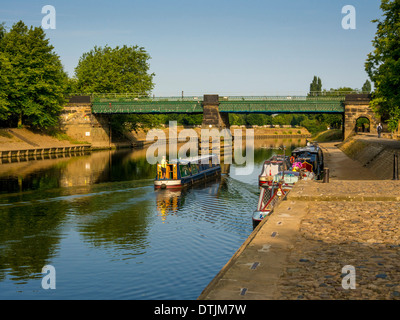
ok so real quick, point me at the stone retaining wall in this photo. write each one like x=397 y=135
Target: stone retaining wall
x=372 y=155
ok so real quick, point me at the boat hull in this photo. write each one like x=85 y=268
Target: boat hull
x=258 y=216
x=167 y=184
x=188 y=180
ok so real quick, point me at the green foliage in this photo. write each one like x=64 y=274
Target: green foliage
x=32 y=80
x=237 y=119
x=313 y=124
x=343 y=90
x=315 y=86
x=329 y=135
x=115 y=70
x=383 y=64
x=366 y=86
x=5 y=68
x=254 y=119
x=334 y=121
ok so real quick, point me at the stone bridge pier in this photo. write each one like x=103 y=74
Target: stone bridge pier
x=211 y=115
x=78 y=122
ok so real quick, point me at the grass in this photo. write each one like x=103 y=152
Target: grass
x=329 y=135
x=63 y=136
x=5 y=134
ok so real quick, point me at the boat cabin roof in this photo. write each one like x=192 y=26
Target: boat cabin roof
x=310 y=149
x=194 y=160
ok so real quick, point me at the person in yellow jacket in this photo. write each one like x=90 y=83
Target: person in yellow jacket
x=164 y=163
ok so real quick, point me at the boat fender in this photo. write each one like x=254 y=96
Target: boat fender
x=163 y=186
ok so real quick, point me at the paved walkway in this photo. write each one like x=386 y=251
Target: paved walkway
x=299 y=252
x=341 y=166
x=389 y=143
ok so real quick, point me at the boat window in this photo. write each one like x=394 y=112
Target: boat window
x=185 y=170
x=195 y=168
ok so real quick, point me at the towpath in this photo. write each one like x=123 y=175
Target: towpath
x=299 y=253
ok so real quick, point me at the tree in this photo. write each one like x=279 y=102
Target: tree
x=5 y=68
x=115 y=70
x=315 y=86
x=366 y=86
x=33 y=77
x=383 y=64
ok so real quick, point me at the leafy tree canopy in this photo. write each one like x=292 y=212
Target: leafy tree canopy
x=32 y=79
x=115 y=70
x=383 y=64
x=366 y=86
x=315 y=86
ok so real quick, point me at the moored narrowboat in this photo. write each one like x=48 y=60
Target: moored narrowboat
x=270 y=195
x=310 y=158
x=271 y=167
x=185 y=172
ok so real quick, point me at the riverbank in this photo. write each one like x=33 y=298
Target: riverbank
x=298 y=253
x=139 y=138
x=23 y=139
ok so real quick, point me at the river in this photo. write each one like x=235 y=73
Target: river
x=98 y=221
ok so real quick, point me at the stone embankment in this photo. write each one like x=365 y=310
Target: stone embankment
x=300 y=251
x=260 y=133
x=24 y=145
x=23 y=139
x=373 y=153
x=19 y=139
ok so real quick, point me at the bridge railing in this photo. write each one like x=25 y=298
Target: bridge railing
x=132 y=97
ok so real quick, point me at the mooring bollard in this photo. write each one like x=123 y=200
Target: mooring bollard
x=326 y=175
x=395 y=166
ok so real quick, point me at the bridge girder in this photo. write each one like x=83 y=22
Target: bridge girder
x=267 y=106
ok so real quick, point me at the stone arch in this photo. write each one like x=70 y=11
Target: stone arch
x=360 y=128
x=357 y=106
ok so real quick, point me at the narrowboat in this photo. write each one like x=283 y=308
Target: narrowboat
x=271 y=167
x=310 y=158
x=270 y=195
x=186 y=172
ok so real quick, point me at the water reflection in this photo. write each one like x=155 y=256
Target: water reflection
x=104 y=204
x=29 y=240
x=169 y=202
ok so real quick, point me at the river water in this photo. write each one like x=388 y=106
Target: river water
x=98 y=221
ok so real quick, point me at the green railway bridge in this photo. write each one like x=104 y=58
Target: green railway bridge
x=215 y=108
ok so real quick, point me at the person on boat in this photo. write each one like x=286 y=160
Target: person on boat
x=164 y=163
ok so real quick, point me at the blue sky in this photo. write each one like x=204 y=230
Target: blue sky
x=226 y=47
